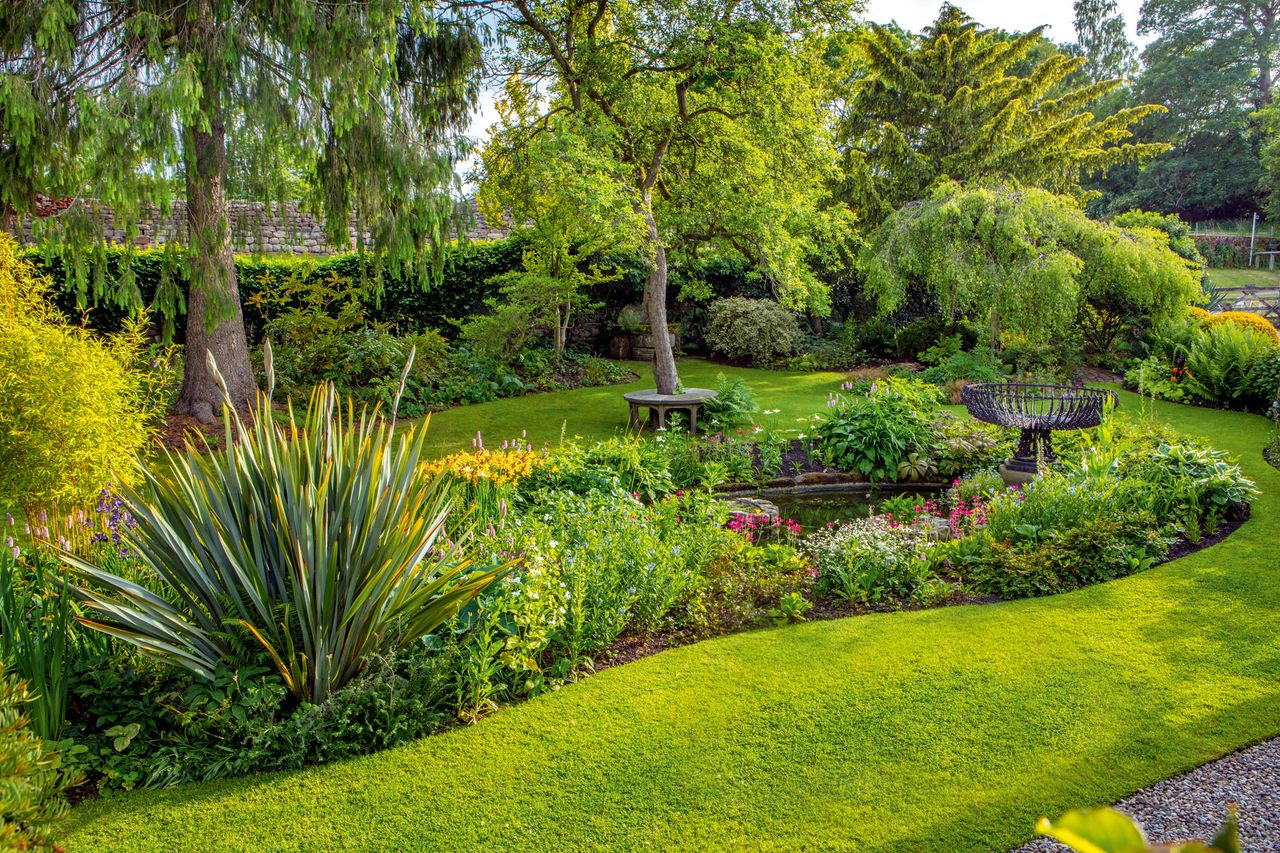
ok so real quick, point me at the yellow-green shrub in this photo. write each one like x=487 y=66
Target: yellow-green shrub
x=73 y=412
x=1245 y=320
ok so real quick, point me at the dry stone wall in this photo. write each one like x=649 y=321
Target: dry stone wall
x=256 y=227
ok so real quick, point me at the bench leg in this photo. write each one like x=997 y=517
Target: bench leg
x=662 y=416
x=693 y=420
x=634 y=419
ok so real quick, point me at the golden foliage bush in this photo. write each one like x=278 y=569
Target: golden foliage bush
x=1245 y=320
x=74 y=412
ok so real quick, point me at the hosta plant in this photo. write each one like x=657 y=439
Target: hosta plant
x=322 y=540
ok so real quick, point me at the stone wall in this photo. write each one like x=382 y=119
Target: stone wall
x=276 y=228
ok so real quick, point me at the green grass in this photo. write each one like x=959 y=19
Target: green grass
x=1242 y=278
x=595 y=413
x=947 y=730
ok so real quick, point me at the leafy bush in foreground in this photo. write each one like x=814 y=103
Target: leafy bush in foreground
x=323 y=542
x=875 y=428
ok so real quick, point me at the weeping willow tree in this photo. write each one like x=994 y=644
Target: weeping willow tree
x=1023 y=262
x=129 y=104
x=948 y=105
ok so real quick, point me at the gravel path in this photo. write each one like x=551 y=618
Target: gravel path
x=1194 y=805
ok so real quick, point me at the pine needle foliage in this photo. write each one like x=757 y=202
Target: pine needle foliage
x=947 y=104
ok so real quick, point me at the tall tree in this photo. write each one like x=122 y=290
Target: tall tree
x=1102 y=40
x=111 y=100
x=945 y=105
x=1213 y=65
x=713 y=110
x=1222 y=33
x=566 y=198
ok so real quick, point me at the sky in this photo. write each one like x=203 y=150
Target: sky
x=1012 y=15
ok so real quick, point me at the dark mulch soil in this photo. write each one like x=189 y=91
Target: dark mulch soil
x=799 y=458
x=177 y=428
x=1236 y=516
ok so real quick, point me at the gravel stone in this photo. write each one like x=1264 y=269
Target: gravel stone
x=1194 y=805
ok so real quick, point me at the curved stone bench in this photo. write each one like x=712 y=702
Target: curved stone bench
x=690 y=401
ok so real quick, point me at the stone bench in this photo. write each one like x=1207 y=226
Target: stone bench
x=690 y=401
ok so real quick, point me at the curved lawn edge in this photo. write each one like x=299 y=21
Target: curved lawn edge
x=947 y=729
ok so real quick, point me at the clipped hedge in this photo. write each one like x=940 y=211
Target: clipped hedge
x=403 y=303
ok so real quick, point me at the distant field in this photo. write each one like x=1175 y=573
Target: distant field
x=1242 y=278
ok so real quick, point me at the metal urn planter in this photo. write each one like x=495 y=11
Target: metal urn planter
x=1036 y=410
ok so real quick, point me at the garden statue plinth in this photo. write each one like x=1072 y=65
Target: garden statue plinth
x=1036 y=410
x=690 y=401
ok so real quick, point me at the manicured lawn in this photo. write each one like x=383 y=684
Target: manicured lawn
x=600 y=412
x=1243 y=278
x=947 y=730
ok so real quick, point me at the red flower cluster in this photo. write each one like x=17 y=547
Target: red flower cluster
x=755 y=526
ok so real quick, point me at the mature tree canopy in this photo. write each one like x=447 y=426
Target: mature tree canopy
x=568 y=199
x=1212 y=64
x=1102 y=40
x=945 y=105
x=712 y=109
x=1221 y=33
x=122 y=101
x=1023 y=261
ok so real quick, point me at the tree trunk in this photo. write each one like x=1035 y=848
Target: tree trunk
x=655 y=307
x=215 y=323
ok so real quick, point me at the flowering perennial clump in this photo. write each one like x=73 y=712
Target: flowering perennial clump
x=499 y=467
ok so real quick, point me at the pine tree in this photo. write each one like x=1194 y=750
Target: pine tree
x=131 y=102
x=945 y=105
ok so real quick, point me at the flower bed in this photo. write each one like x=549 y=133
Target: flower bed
x=615 y=549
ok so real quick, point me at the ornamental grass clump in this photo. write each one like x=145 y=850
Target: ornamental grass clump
x=320 y=541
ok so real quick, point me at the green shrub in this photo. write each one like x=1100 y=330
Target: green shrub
x=593 y=567
x=982 y=364
x=321 y=541
x=404 y=299
x=961 y=445
x=759 y=330
x=1262 y=381
x=1157 y=378
x=917 y=337
x=37 y=622
x=742 y=584
x=76 y=413
x=1092 y=550
x=874 y=428
x=1184 y=483
x=31 y=779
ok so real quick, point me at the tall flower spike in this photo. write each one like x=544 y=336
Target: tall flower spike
x=269 y=366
